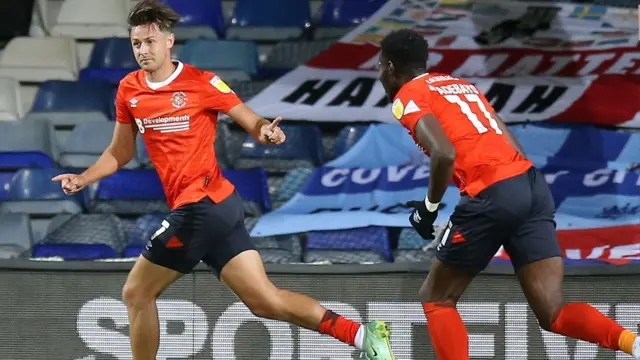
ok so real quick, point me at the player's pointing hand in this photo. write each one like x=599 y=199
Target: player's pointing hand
x=272 y=133
x=71 y=183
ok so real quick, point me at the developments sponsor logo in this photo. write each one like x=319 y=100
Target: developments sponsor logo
x=164 y=124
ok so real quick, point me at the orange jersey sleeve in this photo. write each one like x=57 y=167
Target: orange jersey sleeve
x=218 y=95
x=410 y=105
x=123 y=115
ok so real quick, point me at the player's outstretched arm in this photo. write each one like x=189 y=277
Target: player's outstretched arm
x=117 y=155
x=266 y=132
x=442 y=153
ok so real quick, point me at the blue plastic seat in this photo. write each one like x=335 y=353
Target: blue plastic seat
x=129 y=192
x=232 y=60
x=84 y=237
x=348 y=136
x=15 y=235
x=111 y=60
x=340 y=13
x=352 y=246
x=411 y=247
x=86 y=143
x=72 y=102
x=5 y=182
x=32 y=192
x=145 y=226
x=26 y=144
x=271 y=20
x=252 y=186
x=303 y=149
x=198 y=18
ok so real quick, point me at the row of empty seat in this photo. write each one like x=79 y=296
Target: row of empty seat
x=251 y=19
x=106 y=236
x=28 y=62
x=36 y=142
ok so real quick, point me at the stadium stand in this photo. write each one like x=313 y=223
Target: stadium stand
x=10 y=101
x=86 y=143
x=111 y=60
x=236 y=60
x=273 y=20
x=198 y=19
x=56 y=106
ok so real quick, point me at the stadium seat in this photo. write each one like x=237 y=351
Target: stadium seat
x=287 y=55
x=279 y=249
x=291 y=184
x=129 y=192
x=10 y=101
x=5 y=182
x=92 y=19
x=248 y=89
x=30 y=59
x=232 y=60
x=145 y=226
x=32 y=192
x=251 y=184
x=198 y=19
x=337 y=17
x=303 y=149
x=111 y=60
x=271 y=20
x=84 y=237
x=26 y=144
x=15 y=236
x=68 y=103
x=411 y=247
x=352 y=246
x=86 y=143
x=348 y=136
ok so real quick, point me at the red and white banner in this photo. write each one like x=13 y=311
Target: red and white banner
x=534 y=61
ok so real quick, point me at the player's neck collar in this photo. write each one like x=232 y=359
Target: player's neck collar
x=173 y=76
x=419 y=76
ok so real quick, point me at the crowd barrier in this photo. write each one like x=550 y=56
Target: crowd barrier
x=73 y=311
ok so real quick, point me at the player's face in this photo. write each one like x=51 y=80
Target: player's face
x=386 y=72
x=151 y=46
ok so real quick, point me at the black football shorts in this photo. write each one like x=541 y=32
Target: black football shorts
x=517 y=213
x=213 y=233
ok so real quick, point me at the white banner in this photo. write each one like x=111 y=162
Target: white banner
x=534 y=61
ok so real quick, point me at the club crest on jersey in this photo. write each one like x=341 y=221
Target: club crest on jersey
x=397 y=109
x=133 y=102
x=179 y=99
x=220 y=85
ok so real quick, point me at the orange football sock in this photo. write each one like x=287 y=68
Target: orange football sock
x=448 y=333
x=584 y=322
x=338 y=327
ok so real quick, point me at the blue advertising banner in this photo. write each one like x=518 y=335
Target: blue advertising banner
x=585 y=167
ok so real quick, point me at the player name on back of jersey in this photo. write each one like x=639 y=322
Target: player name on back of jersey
x=455 y=89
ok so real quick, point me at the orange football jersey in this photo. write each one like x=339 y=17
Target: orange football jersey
x=177 y=119
x=483 y=154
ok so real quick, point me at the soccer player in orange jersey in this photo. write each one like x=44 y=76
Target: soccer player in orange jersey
x=175 y=107
x=505 y=202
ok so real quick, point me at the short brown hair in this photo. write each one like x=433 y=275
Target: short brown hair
x=153 y=12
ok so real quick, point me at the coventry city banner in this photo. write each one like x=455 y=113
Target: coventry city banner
x=534 y=61
x=597 y=196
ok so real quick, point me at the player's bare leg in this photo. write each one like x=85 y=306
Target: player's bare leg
x=246 y=277
x=541 y=282
x=439 y=295
x=145 y=283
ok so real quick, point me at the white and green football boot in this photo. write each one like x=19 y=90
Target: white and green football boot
x=375 y=345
